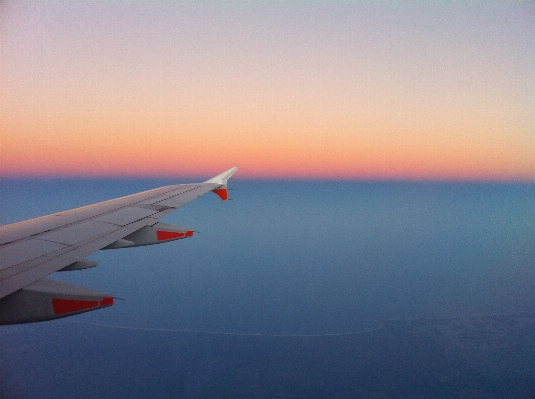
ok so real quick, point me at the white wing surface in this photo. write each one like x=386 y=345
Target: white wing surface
x=33 y=249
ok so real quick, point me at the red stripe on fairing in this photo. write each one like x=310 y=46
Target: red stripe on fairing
x=62 y=306
x=189 y=233
x=222 y=192
x=168 y=235
x=108 y=301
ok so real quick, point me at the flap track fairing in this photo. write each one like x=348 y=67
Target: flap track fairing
x=50 y=299
x=155 y=234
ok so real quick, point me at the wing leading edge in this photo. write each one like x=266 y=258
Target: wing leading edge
x=33 y=249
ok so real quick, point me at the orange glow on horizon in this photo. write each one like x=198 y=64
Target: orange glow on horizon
x=285 y=155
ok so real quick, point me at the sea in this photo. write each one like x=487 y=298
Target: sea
x=294 y=289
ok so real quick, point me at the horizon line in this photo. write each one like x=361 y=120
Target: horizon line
x=270 y=178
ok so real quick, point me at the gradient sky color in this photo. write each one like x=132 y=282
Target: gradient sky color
x=302 y=89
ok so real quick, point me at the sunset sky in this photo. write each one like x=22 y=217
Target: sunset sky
x=300 y=89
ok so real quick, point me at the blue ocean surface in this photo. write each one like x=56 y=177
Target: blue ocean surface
x=286 y=260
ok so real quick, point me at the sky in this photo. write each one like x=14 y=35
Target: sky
x=284 y=90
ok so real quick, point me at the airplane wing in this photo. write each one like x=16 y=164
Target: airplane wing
x=33 y=249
